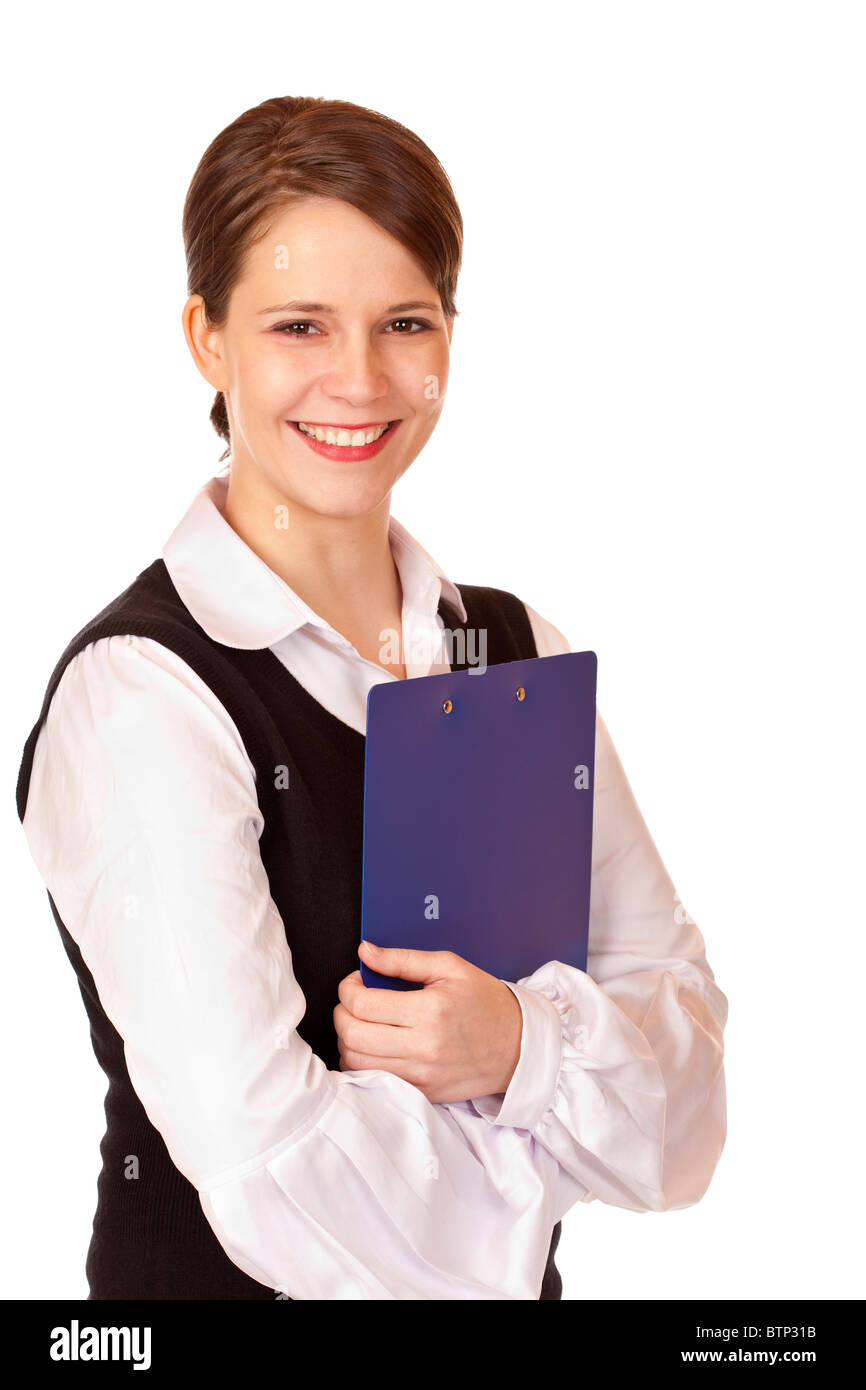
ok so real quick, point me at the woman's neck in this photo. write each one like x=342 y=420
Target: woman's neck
x=342 y=567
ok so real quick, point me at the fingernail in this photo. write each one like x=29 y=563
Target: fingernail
x=375 y=950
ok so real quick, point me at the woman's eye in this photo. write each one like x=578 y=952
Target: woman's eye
x=420 y=322
x=295 y=329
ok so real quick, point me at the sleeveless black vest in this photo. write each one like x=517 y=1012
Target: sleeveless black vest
x=151 y=1238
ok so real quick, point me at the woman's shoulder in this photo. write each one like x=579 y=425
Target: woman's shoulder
x=485 y=602
x=128 y=679
x=130 y=726
x=148 y=606
x=549 y=640
x=134 y=679
x=144 y=640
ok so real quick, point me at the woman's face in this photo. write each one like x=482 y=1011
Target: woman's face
x=333 y=327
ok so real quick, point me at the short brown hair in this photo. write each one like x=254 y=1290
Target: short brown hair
x=289 y=148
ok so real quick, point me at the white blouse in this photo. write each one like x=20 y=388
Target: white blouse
x=352 y=1185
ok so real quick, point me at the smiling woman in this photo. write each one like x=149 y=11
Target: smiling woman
x=324 y=320
x=192 y=793
x=324 y=160
x=360 y=366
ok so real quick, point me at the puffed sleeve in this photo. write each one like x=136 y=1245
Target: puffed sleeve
x=319 y=1184
x=621 y=1072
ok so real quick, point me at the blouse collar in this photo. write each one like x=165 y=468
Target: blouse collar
x=240 y=602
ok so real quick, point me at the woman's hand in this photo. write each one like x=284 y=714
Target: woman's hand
x=455 y=1039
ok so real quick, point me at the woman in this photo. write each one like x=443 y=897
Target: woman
x=192 y=794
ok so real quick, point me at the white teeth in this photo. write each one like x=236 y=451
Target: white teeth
x=352 y=439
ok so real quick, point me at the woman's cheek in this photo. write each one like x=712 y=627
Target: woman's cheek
x=268 y=384
x=429 y=385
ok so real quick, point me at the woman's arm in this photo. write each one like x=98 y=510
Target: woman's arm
x=143 y=820
x=621 y=1072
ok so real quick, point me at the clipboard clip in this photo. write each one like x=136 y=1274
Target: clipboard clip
x=520 y=692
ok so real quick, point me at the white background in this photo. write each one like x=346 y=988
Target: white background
x=654 y=434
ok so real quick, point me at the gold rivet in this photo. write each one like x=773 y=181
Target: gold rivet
x=521 y=693
x=447 y=706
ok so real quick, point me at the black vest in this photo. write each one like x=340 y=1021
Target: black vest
x=151 y=1238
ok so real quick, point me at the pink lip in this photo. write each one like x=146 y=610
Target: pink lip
x=346 y=454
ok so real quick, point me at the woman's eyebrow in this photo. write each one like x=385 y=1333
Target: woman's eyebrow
x=298 y=306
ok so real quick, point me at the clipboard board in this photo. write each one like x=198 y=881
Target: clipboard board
x=478 y=802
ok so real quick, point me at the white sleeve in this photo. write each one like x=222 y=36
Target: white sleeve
x=621 y=1071
x=143 y=820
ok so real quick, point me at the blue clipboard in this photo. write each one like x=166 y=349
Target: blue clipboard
x=478 y=815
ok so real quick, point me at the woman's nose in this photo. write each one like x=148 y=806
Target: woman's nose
x=355 y=369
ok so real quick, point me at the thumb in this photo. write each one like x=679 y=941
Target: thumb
x=424 y=966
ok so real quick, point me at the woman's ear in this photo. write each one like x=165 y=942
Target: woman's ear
x=203 y=342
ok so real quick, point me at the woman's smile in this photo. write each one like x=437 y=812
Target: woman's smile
x=344 y=442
